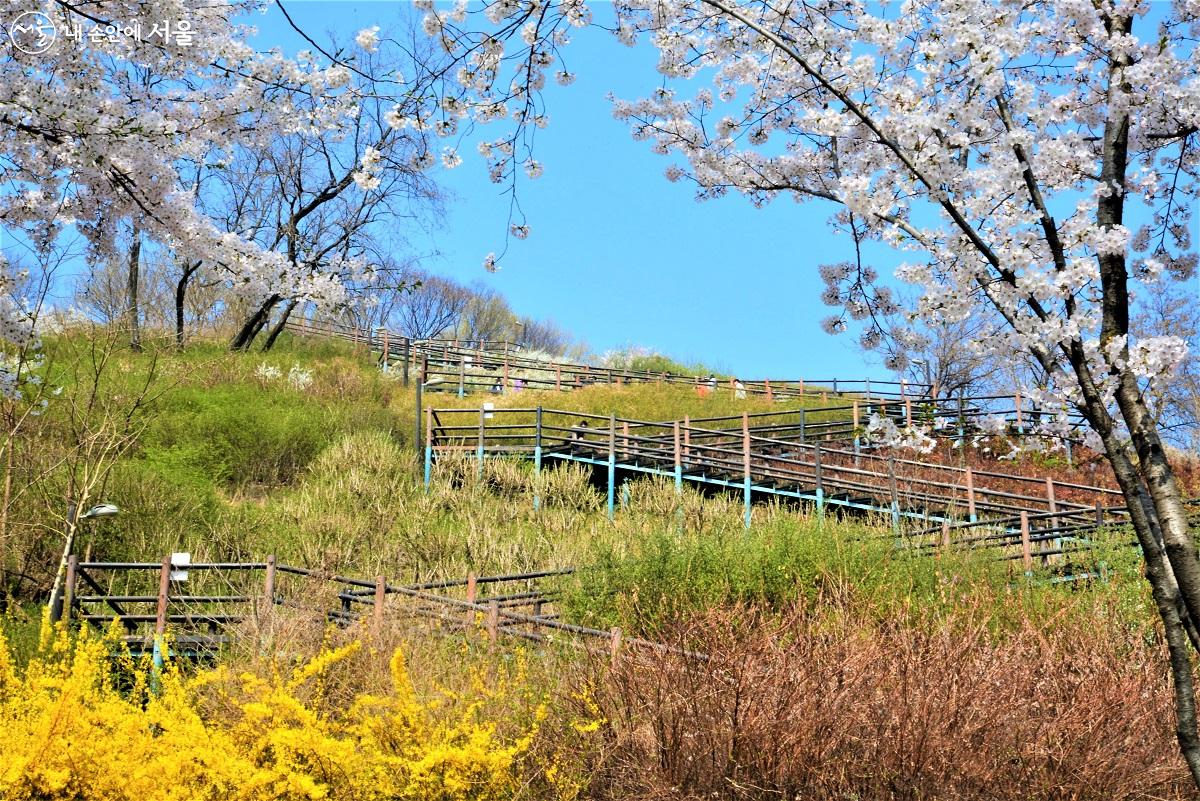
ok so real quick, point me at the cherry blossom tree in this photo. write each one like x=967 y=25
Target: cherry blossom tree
x=1037 y=163
x=104 y=103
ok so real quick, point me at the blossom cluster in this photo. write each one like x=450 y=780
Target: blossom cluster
x=979 y=148
x=91 y=146
x=297 y=378
x=218 y=735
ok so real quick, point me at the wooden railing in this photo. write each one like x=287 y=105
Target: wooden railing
x=801 y=465
x=502 y=367
x=203 y=605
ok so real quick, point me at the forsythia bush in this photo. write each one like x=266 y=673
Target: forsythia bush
x=69 y=731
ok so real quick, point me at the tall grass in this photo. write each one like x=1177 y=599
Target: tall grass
x=826 y=702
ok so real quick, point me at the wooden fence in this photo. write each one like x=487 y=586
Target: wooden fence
x=203 y=605
x=801 y=465
x=468 y=367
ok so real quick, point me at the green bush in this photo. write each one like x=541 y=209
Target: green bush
x=235 y=435
x=667 y=575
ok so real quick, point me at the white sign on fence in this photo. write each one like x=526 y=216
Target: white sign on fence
x=179 y=565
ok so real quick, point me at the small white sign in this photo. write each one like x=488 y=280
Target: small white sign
x=179 y=564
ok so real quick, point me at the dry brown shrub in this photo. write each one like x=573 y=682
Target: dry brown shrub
x=834 y=705
x=569 y=486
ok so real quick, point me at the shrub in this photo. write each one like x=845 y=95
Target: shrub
x=827 y=704
x=242 y=434
x=569 y=486
x=69 y=731
x=665 y=575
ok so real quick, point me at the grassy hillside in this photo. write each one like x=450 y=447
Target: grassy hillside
x=816 y=631
x=307 y=452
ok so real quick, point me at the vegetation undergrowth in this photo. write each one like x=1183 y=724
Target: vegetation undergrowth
x=309 y=454
x=85 y=720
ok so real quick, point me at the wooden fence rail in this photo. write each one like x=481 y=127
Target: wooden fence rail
x=503 y=367
x=200 y=620
x=799 y=465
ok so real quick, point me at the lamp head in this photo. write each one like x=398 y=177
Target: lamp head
x=100 y=510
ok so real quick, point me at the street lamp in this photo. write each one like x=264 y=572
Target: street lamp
x=382 y=332
x=928 y=375
x=100 y=510
x=97 y=512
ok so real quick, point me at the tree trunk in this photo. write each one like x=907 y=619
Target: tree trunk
x=5 y=500
x=279 y=326
x=189 y=269
x=1168 y=588
x=135 y=252
x=254 y=323
x=1163 y=490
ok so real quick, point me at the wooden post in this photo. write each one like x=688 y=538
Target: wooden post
x=803 y=425
x=269 y=581
x=471 y=599
x=1020 y=415
x=945 y=533
x=462 y=377
x=387 y=349
x=164 y=589
x=746 y=464
x=428 y=446
x=1026 y=548
x=69 y=586
x=801 y=387
x=626 y=448
x=422 y=375
x=867 y=392
x=895 y=494
x=1099 y=513
x=770 y=395
x=908 y=412
x=962 y=424
x=971 y=495
x=678 y=460
x=820 y=485
x=612 y=466
x=558 y=378
x=855 y=419
x=406 y=355
x=614 y=644
x=505 y=387
x=493 y=620
x=380 y=598
x=537 y=459
x=1051 y=504
x=479 y=444
x=687 y=438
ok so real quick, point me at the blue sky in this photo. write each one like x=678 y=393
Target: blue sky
x=618 y=255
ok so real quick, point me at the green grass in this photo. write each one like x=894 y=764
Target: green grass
x=230 y=465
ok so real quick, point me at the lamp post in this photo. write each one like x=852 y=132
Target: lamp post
x=924 y=365
x=381 y=332
x=73 y=520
